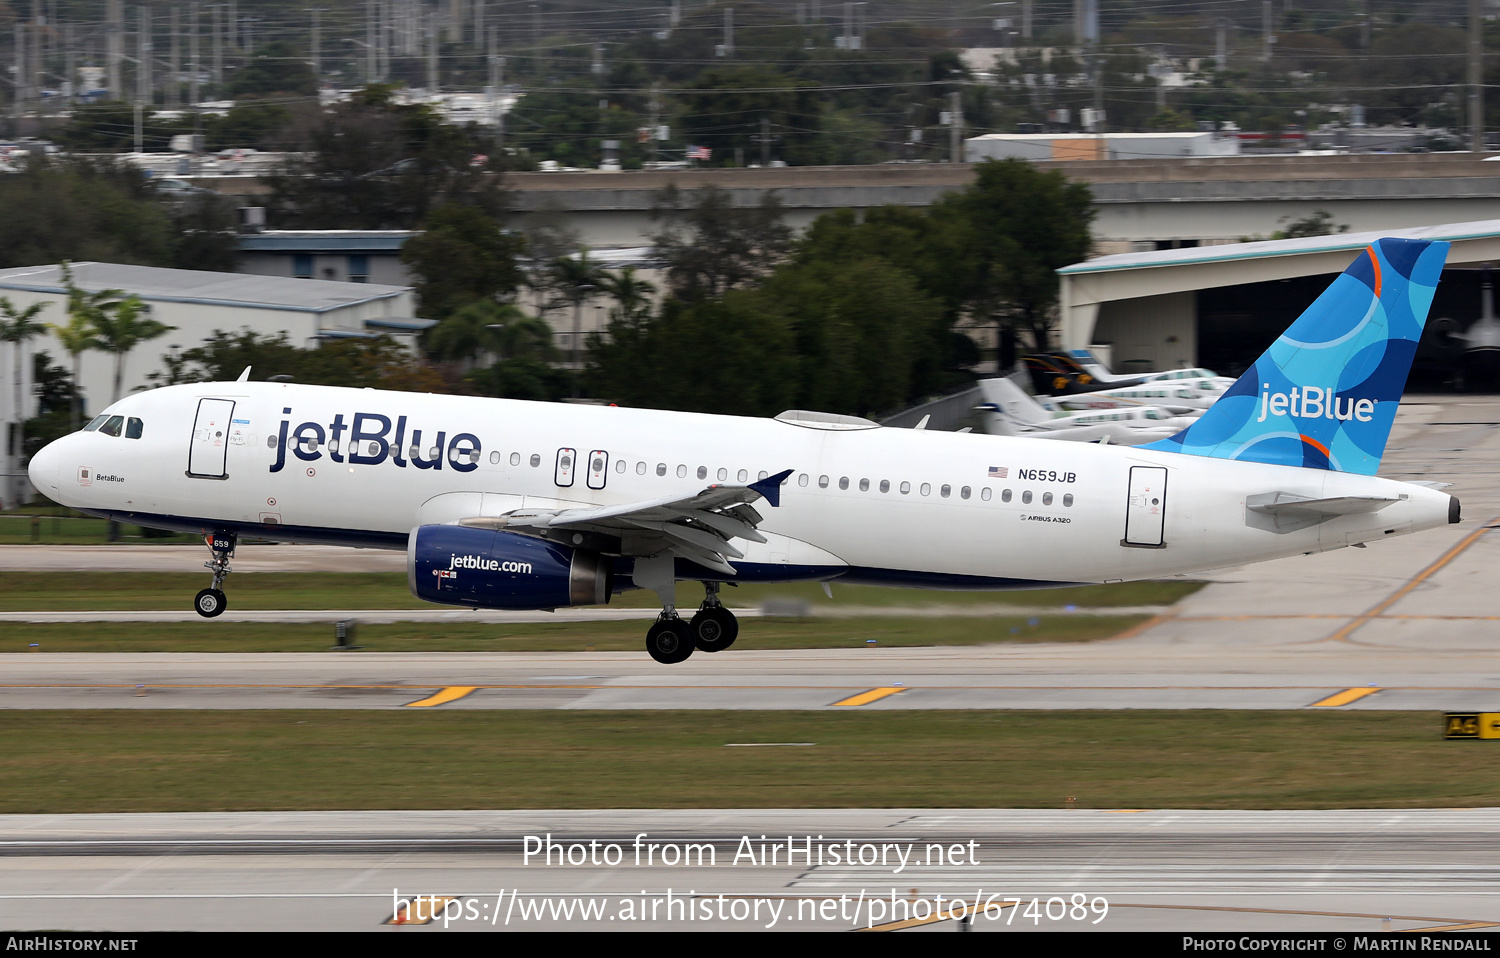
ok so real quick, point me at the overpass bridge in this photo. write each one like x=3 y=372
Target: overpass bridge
x=1175 y=202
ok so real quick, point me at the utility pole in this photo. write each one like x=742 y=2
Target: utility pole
x=218 y=49
x=114 y=47
x=143 y=65
x=21 y=84
x=1476 y=78
x=729 y=31
x=955 y=126
x=72 y=87
x=371 y=60
x=1268 y=38
x=1221 y=48
x=432 y=54
x=317 y=53
x=174 y=75
x=848 y=25
x=232 y=28
x=195 y=81
x=1026 y=19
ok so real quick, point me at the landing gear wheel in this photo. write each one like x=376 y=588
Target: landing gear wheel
x=669 y=641
x=714 y=629
x=210 y=602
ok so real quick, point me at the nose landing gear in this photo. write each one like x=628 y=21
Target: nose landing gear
x=211 y=601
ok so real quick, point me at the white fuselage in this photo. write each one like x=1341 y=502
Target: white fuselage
x=874 y=504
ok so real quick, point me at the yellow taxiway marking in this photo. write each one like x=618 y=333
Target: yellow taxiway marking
x=412 y=913
x=1342 y=635
x=873 y=695
x=1466 y=926
x=443 y=696
x=951 y=913
x=1343 y=698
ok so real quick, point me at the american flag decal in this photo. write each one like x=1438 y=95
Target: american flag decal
x=999 y=472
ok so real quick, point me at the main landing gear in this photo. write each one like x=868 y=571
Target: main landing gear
x=211 y=601
x=713 y=629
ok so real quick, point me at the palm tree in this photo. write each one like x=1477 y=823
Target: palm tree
x=470 y=331
x=120 y=326
x=81 y=332
x=17 y=327
x=632 y=293
x=575 y=279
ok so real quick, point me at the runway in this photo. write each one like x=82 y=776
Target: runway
x=1348 y=871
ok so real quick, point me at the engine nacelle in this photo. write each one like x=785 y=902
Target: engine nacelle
x=491 y=569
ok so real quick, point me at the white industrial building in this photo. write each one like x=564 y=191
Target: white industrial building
x=1090 y=146
x=197 y=303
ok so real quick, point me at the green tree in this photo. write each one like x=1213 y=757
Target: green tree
x=460 y=256
x=82 y=211
x=710 y=246
x=276 y=69
x=122 y=325
x=1005 y=237
x=77 y=337
x=631 y=293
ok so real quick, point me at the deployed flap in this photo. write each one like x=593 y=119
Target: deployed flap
x=696 y=527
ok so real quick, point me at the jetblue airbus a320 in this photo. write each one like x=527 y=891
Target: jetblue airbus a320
x=502 y=504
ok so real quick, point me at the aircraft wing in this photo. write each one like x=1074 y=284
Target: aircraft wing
x=696 y=527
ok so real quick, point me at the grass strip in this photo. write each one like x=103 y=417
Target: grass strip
x=138 y=591
x=180 y=761
x=610 y=636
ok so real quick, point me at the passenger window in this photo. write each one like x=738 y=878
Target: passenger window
x=494 y=458
x=112 y=426
x=619 y=465
x=926 y=489
x=905 y=488
x=1026 y=496
x=515 y=459
x=536 y=461
x=1046 y=498
x=703 y=473
x=722 y=474
x=802 y=479
x=764 y=474
x=741 y=476
x=843 y=482
x=822 y=482
x=270 y=442
x=963 y=493
x=946 y=491
x=864 y=485
x=985 y=493
x=1068 y=499
x=885 y=485
x=661 y=469
x=95 y=423
x=681 y=471
x=640 y=468
x=1004 y=495
x=133 y=428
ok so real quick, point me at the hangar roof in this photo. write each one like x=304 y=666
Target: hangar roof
x=154 y=283
x=1135 y=275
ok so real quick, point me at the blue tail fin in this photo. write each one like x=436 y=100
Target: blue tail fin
x=1324 y=395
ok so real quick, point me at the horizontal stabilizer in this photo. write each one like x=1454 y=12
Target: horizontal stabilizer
x=1286 y=504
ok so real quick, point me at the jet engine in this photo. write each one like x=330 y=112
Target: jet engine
x=493 y=569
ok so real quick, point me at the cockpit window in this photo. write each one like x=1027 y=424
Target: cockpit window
x=98 y=421
x=112 y=426
x=133 y=428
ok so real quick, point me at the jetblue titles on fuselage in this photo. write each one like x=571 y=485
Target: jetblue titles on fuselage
x=371 y=442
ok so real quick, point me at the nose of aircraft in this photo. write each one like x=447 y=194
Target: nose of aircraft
x=43 y=468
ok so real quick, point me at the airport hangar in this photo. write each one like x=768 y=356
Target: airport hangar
x=1222 y=306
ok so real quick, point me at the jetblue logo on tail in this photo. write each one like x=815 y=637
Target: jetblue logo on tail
x=1313 y=402
x=1325 y=394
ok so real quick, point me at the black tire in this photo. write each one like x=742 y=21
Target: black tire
x=715 y=630
x=669 y=641
x=210 y=602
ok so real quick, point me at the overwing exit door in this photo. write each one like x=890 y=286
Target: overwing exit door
x=1146 y=509
x=206 y=454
